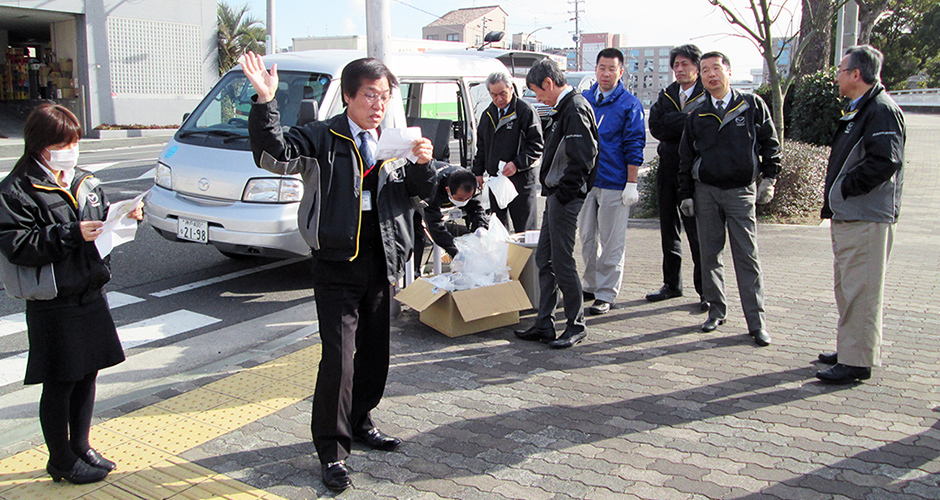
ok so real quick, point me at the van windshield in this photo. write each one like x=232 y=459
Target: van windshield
x=223 y=115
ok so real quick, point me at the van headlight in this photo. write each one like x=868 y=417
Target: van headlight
x=162 y=176
x=273 y=191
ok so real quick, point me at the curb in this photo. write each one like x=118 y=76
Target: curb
x=13 y=148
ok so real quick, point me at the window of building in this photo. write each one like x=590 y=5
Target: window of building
x=664 y=68
x=634 y=52
x=433 y=37
x=634 y=66
x=453 y=37
x=649 y=52
x=648 y=66
x=664 y=52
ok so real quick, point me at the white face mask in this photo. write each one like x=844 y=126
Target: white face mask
x=63 y=159
x=456 y=203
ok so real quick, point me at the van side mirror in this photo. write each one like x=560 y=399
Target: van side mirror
x=492 y=37
x=309 y=109
x=185 y=116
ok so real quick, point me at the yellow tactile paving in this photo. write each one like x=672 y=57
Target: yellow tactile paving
x=146 y=443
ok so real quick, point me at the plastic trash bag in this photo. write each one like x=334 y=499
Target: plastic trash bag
x=480 y=261
x=502 y=188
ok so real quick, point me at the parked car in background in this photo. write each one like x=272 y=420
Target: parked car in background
x=581 y=80
x=209 y=191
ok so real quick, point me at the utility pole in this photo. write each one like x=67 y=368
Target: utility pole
x=576 y=38
x=270 y=45
x=379 y=29
x=485 y=19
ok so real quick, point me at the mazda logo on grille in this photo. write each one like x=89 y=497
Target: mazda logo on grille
x=203 y=184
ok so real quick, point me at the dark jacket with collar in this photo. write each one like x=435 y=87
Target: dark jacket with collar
x=621 y=135
x=40 y=224
x=667 y=121
x=330 y=213
x=516 y=137
x=434 y=216
x=728 y=152
x=569 y=163
x=865 y=176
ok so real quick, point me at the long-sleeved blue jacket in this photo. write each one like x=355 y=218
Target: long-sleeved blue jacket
x=620 y=124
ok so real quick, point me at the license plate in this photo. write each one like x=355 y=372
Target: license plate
x=193 y=230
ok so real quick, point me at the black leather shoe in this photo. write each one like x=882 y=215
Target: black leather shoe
x=535 y=333
x=94 y=459
x=336 y=476
x=843 y=374
x=374 y=439
x=567 y=339
x=666 y=292
x=761 y=337
x=829 y=359
x=80 y=473
x=711 y=324
x=599 y=307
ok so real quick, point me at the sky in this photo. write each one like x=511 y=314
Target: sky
x=644 y=22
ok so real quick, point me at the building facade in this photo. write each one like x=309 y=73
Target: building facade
x=647 y=71
x=469 y=26
x=110 y=61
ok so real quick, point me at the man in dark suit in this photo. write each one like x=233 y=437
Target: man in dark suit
x=667 y=121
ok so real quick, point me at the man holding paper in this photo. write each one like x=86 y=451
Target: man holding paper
x=356 y=214
x=509 y=142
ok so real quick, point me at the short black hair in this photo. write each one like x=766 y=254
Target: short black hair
x=724 y=59
x=610 y=53
x=546 y=68
x=462 y=179
x=360 y=70
x=688 y=51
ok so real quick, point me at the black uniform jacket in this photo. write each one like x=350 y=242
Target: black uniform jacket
x=728 y=152
x=865 y=174
x=330 y=212
x=667 y=121
x=39 y=224
x=516 y=137
x=570 y=161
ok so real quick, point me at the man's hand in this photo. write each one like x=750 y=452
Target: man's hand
x=423 y=149
x=687 y=207
x=509 y=169
x=630 y=194
x=765 y=192
x=265 y=83
x=91 y=229
x=480 y=182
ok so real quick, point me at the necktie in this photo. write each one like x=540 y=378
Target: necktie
x=366 y=149
x=600 y=98
x=721 y=107
x=683 y=97
x=502 y=113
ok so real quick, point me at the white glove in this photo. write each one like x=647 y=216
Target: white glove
x=765 y=192
x=630 y=195
x=687 y=207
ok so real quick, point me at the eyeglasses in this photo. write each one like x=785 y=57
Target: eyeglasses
x=374 y=98
x=846 y=70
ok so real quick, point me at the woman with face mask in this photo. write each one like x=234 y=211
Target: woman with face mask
x=51 y=213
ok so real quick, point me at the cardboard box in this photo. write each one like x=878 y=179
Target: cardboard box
x=471 y=311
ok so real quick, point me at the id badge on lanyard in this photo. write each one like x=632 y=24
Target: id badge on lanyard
x=366 y=200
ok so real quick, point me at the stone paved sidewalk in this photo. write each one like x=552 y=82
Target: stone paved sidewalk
x=648 y=406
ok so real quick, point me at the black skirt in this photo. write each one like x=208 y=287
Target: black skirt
x=70 y=337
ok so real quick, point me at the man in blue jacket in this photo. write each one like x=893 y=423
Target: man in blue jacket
x=863 y=199
x=603 y=219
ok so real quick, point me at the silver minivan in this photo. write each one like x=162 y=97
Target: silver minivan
x=207 y=189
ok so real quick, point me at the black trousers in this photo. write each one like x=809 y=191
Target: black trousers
x=671 y=222
x=523 y=209
x=353 y=311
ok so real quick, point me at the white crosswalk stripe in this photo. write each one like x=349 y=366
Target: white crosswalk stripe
x=16 y=323
x=12 y=368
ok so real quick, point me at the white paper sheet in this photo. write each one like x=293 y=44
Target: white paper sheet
x=398 y=143
x=118 y=229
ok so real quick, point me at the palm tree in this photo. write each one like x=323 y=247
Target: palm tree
x=238 y=33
